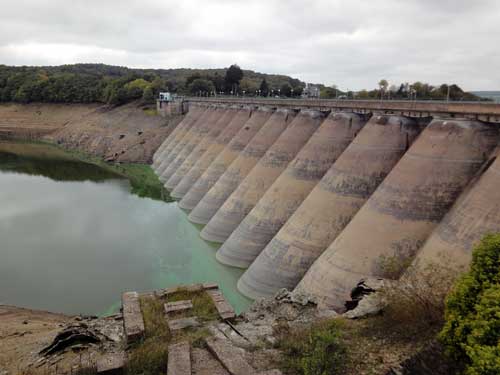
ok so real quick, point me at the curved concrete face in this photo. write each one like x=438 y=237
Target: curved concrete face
x=201 y=146
x=397 y=219
x=289 y=190
x=250 y=144
x=475 y=214
x=176 y=137
x=197 y=132
x=262 y=176
x=330 y=205
x=190 y=117
x=178 y=144
x=211 y=154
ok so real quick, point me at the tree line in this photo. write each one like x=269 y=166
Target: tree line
x=91 y=83
x=403 y=91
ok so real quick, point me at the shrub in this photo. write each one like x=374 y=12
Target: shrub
x=316 y=350
x=472 y=329
x=417 y=300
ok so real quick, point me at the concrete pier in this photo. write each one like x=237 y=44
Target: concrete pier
x=177 y=135
x=262 y=176
x=290 y=189
x=242 y=164
x=197 y=132
x=330 y=205
x=183 y=140
x=404 y=210
x=475 y=214
x=217 y=146
x=202 y=146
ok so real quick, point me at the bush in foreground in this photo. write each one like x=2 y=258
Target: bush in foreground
x=472 y=328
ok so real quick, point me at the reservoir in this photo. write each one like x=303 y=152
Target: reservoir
x=73 y=236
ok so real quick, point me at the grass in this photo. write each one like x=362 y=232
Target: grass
x=151 y=355
x=315 y=350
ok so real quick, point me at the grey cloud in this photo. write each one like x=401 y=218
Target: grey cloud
x=349 y=43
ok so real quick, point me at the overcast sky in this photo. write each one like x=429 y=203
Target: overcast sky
x=351 y=43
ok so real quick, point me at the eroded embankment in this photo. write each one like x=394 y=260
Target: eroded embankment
x=128 y=133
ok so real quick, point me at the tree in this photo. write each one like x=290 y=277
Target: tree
x=148 y=96
x=264 y=88
x=286 y=90
x=201 y=85
x=234 y=75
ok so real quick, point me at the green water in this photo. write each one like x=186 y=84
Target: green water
x=73 y=237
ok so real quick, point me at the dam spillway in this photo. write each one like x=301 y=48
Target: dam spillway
x=299 y=217
x=262 y=176
x=290 y=189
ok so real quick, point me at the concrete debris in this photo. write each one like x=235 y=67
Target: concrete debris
x=111 y=364
x=178 y=324
x=365 y=301
x=179 y=359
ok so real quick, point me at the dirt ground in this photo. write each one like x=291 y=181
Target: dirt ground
x=24 y=332
x=129 y=133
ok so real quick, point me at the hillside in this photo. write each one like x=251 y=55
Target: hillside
x=90 y=83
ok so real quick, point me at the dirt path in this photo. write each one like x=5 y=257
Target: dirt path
x=24 y=332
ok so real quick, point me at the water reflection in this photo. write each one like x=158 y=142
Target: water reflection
x=74 y=246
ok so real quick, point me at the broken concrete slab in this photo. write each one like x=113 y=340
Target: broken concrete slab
x=224 y=309
x=177 y=324
x=230 y=357
x=133 y=322
x=111 y=364
x=178 y=306
x=179 y=359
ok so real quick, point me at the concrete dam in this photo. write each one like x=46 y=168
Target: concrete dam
x=314 y=195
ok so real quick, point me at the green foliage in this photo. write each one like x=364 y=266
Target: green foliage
x=234 y=75
x=472 y=329
x=264 y=88
x=316 y=350
x=202 y=86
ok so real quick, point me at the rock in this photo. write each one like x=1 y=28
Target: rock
x=133 y=321
x=324 y=313
x=178 y=306
x=177 y=324
x=111 y=364
x=179 y=359
x=230 y=357
x=70 y=336
x=370 y=305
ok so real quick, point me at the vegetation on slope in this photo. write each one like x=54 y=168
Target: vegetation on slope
x=472 y=329
x=89 y=83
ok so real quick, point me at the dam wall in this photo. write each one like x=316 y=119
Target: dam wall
x=216 y=147
x=397 y=219
x=290 y=189
x=189 y=141
x=262 y=176
x=233 y=165
x=177 y=133
x=317 y=195
x=331 y=205
x=200 y=147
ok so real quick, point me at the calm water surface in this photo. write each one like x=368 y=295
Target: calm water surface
x=73 y=238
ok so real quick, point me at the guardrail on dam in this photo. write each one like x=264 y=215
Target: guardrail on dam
x=313 y=195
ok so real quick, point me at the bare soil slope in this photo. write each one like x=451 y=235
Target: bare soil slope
x=128 y=133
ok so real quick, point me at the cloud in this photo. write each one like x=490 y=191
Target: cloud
x=350 y=43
